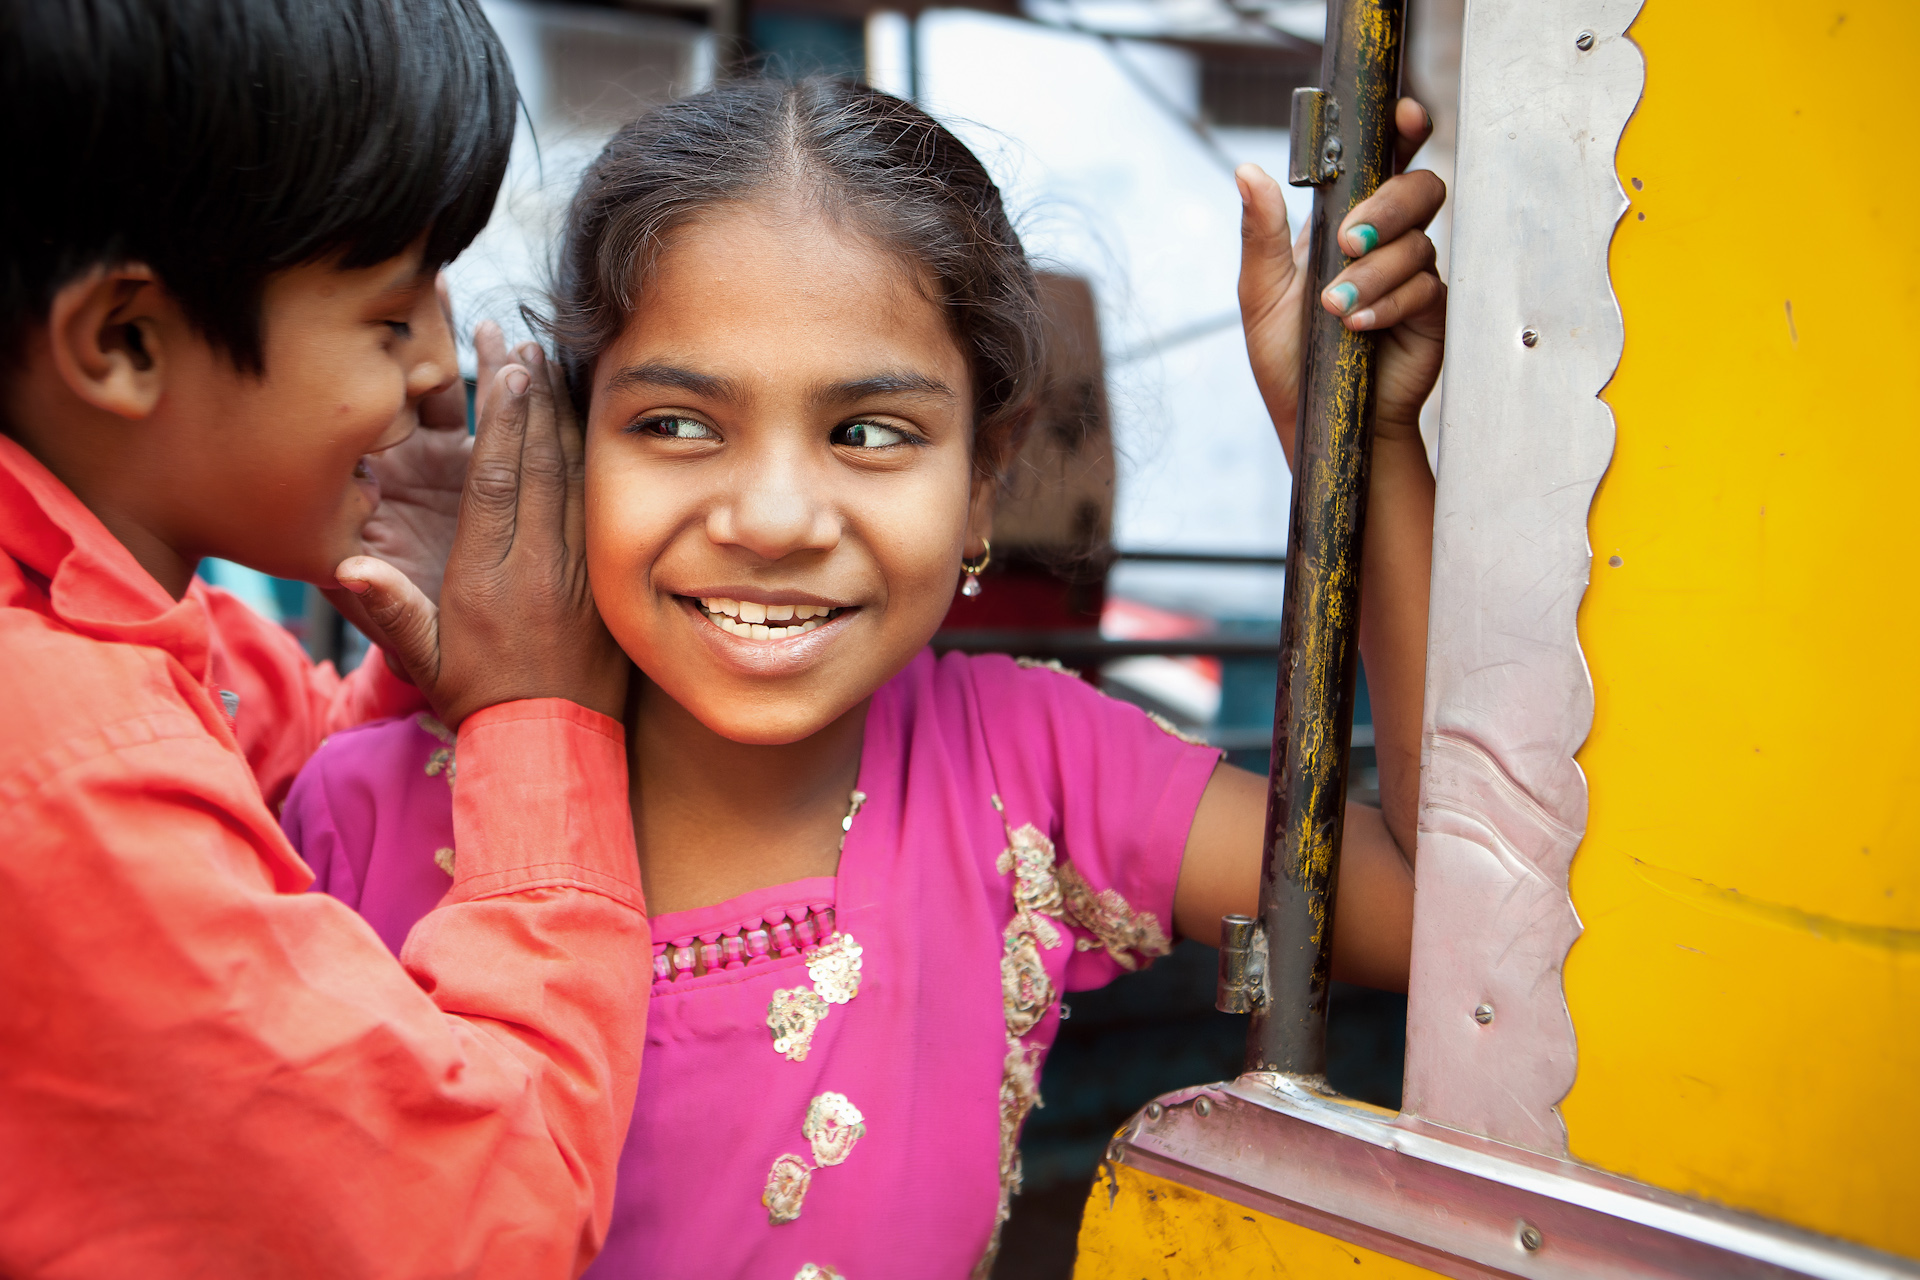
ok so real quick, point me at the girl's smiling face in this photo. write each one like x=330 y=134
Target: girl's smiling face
x=780 y=481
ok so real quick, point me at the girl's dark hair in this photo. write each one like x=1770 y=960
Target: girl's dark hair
x=221 y=141
x=883 y=165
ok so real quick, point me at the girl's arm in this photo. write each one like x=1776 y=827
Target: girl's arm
x=1391 y=289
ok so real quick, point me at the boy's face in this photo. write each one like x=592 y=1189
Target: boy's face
x=273 y=466
x=783 y=431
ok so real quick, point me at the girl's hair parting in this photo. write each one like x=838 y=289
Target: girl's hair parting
x=883 y=165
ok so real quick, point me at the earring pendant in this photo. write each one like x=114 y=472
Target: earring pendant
x=971 y=587
x=970 y=569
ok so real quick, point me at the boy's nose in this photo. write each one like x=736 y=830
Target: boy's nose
x=433 y=360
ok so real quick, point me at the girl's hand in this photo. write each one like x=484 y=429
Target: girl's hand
x=1390 y=286
x=516 y=617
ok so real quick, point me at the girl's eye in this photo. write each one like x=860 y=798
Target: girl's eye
x=869 y=435
x=674 y=427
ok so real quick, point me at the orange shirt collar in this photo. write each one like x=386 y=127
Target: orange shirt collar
x=96 y=587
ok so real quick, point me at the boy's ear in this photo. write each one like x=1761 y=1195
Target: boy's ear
x=106 y=333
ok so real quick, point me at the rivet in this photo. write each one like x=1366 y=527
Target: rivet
x=1615 y=561
x=1155 y=1111
x=1529 y=337
x=1483 y=1014
x=1583 y=41
x=1203 y=1108
x=1530 y=1237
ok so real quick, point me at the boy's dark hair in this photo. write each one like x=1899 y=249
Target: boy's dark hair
x=884 y=165
x=221 y=141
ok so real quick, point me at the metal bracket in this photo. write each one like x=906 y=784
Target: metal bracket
x=1315 y=158
x=1243 y=965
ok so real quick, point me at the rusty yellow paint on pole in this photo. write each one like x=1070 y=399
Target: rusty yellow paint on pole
x=1747 y=991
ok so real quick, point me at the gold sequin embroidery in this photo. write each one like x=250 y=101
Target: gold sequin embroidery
x=1108 y=917
x=792 y=1017
x=441 y=762
x=834 y=967
x=1173 y=730
x=443 y=859
x=1046 y=664
x=832 y=1126
x=814 y=1271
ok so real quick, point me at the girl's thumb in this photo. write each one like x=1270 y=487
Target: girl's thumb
x=394 y=613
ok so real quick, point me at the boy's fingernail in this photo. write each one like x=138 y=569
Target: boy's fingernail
x=356 y=586
x=1361 y=320
x=517 y=382
x=1364 y=235
x=1343 y=296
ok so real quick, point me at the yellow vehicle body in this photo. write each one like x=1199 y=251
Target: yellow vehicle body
x=1746 y=992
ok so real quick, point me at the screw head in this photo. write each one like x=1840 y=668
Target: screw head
x=1584 y=41
x=1483 y=1013
x=1529 y=337
x=1530 y=1237
x=1203 y=1108
x=1155 y=1111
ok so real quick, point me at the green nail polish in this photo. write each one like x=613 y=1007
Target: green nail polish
x=1343 y=296
x=1365 y=236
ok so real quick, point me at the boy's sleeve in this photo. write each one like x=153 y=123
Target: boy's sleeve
x=206 y=1072
x=1122 y=789
x=287 y=703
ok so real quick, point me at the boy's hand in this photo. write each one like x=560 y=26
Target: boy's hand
x=516 y=617
x=1391 y=286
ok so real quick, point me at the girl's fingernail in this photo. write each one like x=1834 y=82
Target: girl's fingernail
x=1364 y=235
x=1343 y=296
x=517 y=382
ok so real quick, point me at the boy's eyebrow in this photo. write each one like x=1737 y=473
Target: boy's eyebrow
x=657 y=373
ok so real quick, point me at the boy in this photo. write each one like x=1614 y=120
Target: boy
x=221 y=234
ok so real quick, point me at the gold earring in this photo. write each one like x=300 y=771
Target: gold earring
x=970 y=585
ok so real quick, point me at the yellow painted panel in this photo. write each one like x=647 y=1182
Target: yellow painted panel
x=1140 y=1227
x=1747 y=992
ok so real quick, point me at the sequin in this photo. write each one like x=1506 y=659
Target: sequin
x=443 y=859
x=787 y=1184
x=1173 y=730
x=441 y=762
x=834 y=967
x=814 y=1271
x=1108 y=917
x=1024 y=982
x=1046 y=664
x=832 y=1126
x=792 y=1016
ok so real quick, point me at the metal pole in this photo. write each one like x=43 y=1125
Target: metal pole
x=1343 y=138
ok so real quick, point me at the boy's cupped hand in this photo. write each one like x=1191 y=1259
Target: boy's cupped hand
x=1390 y=288
x=516 y=617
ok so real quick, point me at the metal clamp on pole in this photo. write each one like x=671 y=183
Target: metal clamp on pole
x=1243 y=965
x=1347 y=130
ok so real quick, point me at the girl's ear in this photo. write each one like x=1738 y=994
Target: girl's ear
x=986 y=491
x=108 y=334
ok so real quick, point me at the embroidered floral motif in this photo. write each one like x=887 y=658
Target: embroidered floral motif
x=787 y=1184
x=814 y=1271
x=832 y=1126
x=792 y=1017
x=1116 y=925
x=1024 y=984
x=835 y=969
x=443 y=859
x=441 y=761
x=1029 y=858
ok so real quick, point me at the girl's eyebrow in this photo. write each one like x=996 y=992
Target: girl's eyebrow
x=880 y=384
x=656 y=373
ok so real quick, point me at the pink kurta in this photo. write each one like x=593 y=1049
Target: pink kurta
x=836 y=1069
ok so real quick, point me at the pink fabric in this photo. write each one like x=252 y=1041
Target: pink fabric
x=920 y=1050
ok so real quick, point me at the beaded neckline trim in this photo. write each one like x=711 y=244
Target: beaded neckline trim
x=781 y=933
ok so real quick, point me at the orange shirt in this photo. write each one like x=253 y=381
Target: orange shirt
x=206 y=1071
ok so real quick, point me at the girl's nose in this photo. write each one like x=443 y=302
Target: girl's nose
x=774 y=515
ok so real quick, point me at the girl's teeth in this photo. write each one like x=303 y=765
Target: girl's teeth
x=751 y=620
x=779 y=612
x=752 y=611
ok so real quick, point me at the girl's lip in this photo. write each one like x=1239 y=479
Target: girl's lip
x=769 y=658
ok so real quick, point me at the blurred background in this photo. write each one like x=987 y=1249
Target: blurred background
x=1143 y=539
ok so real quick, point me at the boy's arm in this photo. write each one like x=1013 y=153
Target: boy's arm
x=216 y=1076
x=1389 y=288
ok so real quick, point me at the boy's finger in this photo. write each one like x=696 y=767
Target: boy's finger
x=1266 y=249
x=489 y=357
x=543 y=462
x=492 y=492
x=1378 y=274
x=1402 y=204
x=573 y=448
x=385 y=604
x=1413 y=125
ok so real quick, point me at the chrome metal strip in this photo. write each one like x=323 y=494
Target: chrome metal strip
x=1455 y=1203
x=1533 y=334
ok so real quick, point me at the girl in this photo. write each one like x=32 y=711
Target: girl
x=805 y=341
